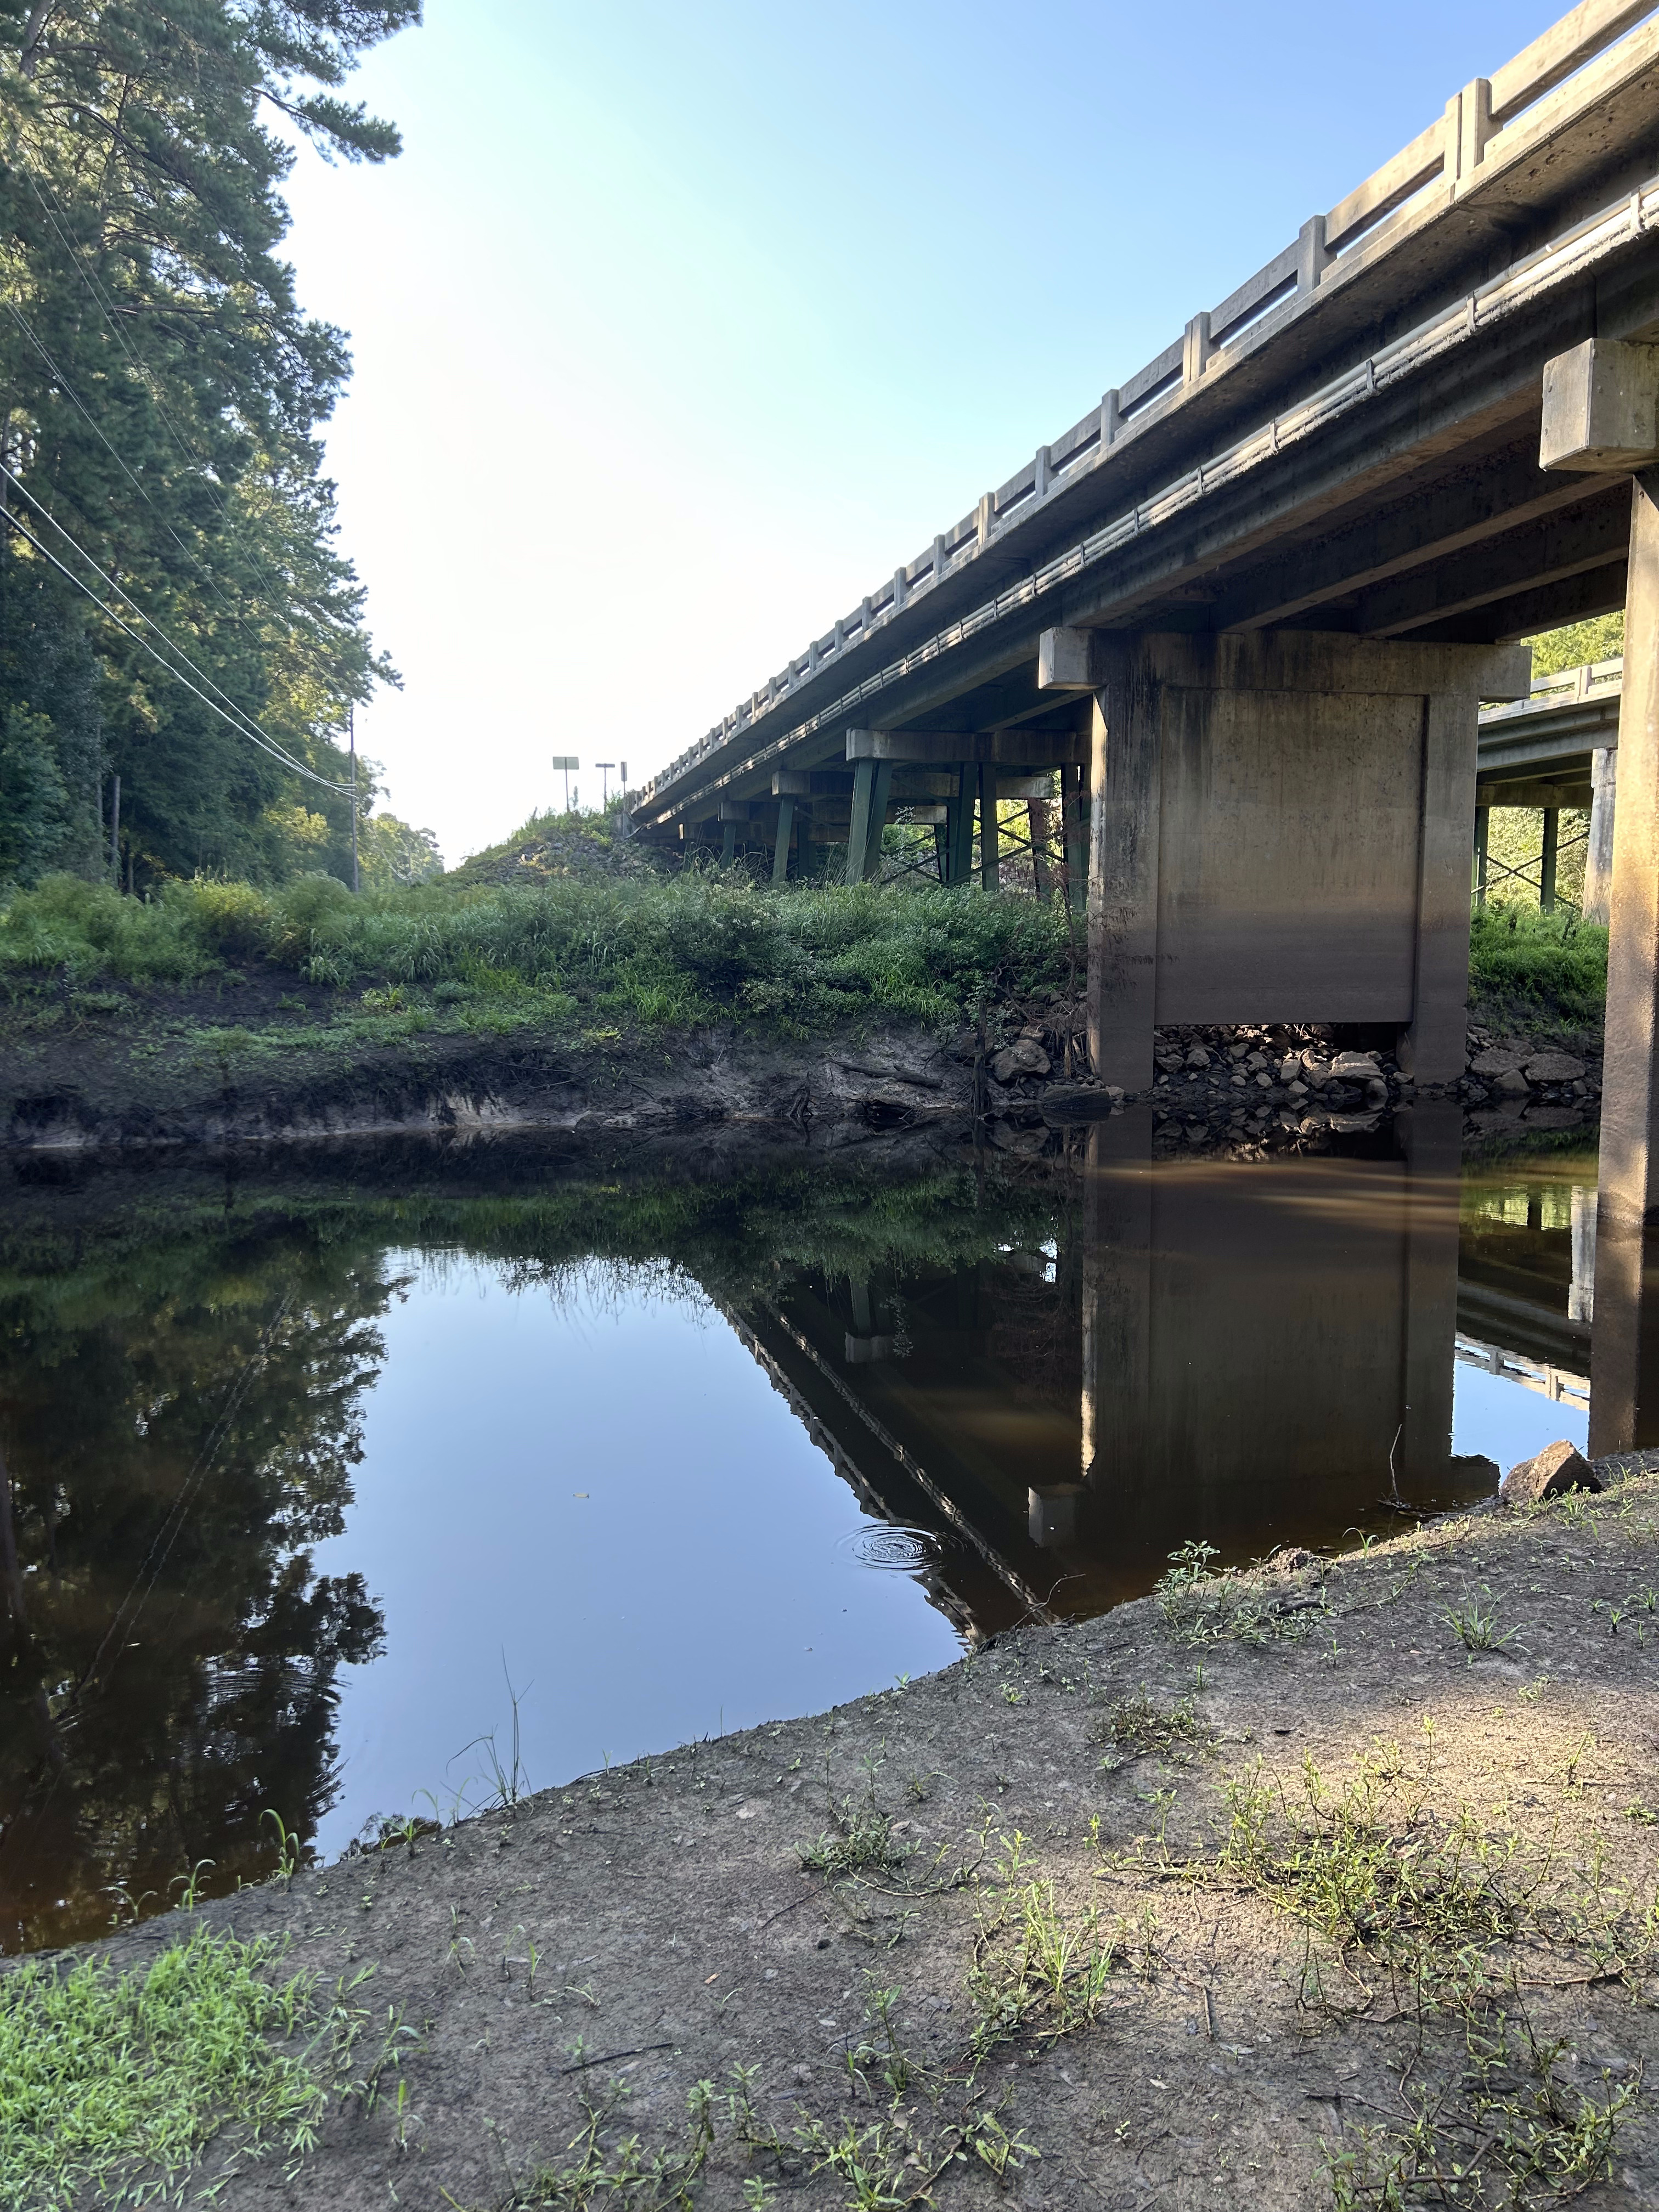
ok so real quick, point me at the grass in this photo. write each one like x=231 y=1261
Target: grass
x=120 y=2084
x=879 y=2161
x=1528 y=961
x=699 y=947
x=1475 y=1625
x=1446 y=1929
x=1200 y=1605
x=1136 y=1726
x=576 y=952
x=1038 y=1975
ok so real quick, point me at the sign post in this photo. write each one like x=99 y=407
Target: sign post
x=567 y=761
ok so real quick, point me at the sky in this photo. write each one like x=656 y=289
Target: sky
x=677 y=330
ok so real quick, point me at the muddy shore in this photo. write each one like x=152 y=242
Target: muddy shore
x=1328 y=1877
x=263 y=1063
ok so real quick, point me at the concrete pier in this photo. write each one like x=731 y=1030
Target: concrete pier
x=1630 y=1098
x=1282 y=826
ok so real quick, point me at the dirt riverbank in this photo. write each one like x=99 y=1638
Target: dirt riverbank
x=252 y=1059
x=185 y=1066
x=1294 y=1888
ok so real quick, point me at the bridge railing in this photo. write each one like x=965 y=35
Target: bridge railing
x=1593 y=679
x=1492 y=122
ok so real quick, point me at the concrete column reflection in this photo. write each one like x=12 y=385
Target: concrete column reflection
x=1625 y=1344
x=1429 y=1136
x=1268 y=1342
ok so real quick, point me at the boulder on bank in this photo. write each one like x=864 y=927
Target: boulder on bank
x=1553 y=1068
x=1025 y=1056
x=1558 y=1467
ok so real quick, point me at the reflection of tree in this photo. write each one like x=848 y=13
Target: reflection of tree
x=181 y=1360
x=177 y=1432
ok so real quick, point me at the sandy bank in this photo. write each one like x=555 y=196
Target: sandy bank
x=1318 y=1880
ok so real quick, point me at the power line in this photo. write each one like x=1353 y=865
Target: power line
x=243 y=720
x=43 y=186
x=242 y=730
x=104 y=577
x=137 y=483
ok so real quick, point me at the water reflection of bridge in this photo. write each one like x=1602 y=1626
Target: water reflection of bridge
x=1248 y=1354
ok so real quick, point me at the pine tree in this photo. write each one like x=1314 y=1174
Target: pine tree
x=163 y=402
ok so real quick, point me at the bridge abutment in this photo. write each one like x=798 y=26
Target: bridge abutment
x=1281 y=833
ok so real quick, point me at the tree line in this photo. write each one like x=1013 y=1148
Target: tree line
x=174 y=609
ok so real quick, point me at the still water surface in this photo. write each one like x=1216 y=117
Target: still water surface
x=314 y=1474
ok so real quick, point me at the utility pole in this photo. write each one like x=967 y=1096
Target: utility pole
x=605 y=769
x=351 y=732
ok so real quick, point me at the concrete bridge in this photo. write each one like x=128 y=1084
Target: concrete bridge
x=1250 y=604
x=1555 y=749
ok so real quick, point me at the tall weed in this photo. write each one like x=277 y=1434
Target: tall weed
x=699 y=947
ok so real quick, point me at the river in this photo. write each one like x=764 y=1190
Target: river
x=361 y=1484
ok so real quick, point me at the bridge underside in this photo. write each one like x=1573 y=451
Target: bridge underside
x=1265 y=615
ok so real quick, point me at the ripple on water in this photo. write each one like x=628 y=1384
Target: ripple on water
x=884 y=1544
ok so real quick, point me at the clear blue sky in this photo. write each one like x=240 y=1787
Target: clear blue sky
x=676 y=330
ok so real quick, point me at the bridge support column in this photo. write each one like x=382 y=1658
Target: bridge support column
x=1598 y=856
x=990 y=858
x=1282 y=828
x=1482 y=848
x=1630 y=1095
x=871 y=781
x=959 y=827
x=1074 y=816
x=780 y=850
x=1547 y=860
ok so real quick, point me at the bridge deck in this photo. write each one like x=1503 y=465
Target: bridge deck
x=1348 y=441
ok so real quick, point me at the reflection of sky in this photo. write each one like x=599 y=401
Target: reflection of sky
x=1507 y=1422
x=699 y=1583
x=703 y=1580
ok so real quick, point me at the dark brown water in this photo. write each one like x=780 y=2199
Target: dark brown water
x=319 y=1472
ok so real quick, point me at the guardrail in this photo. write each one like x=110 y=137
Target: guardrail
x=1593 y=679
x=1488 y=125
x=1556 y=1383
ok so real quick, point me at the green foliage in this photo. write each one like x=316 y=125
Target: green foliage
x=1541 y=962
x=1515 y=842
x=1599 y=639
x=685 y=950
x=107 y=2081
x=163 y=396
x=1038 y=1972
x=392 y=852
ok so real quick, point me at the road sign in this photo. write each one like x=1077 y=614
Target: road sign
x=567 y=761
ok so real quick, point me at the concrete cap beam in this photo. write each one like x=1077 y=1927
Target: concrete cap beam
x=1538 y=793
x=1601 y=408
x=1029 y=749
